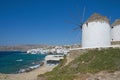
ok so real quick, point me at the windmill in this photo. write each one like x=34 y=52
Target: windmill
x=79 y=25
x=81 y=21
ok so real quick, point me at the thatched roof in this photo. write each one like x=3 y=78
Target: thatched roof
x=117 y=22
x=97 y=17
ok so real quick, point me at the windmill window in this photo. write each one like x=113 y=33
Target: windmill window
x=87 y=24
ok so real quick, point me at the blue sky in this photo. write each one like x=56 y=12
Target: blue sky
x=45 y=21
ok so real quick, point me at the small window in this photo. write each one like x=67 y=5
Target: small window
x=112 y=27
x=87 y=24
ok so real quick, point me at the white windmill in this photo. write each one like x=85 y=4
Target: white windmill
x=115 y=32
x=96 y=32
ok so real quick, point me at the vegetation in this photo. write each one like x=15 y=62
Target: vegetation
x=91 y=61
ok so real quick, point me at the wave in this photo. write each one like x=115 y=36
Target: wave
x=19 y=60
x=30 y=68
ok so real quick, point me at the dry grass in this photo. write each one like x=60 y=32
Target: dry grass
x=117 y=22
x=97 y=17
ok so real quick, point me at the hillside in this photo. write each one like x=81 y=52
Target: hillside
x=91 y=63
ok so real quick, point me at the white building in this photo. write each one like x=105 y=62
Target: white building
x=53 y=59
x=115 y=32
x=96 y=32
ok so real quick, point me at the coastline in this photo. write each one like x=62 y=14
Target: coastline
x=32 y=75
x=13 y=62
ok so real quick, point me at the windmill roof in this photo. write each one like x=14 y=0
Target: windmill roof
x=97 y=17
x=117 y=22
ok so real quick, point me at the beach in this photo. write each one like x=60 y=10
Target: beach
x=32 y=75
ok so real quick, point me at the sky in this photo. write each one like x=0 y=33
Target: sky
x=49 y=21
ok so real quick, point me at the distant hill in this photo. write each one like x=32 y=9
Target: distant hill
x=21 y=47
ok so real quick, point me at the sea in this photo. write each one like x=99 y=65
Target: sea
x=12 y=62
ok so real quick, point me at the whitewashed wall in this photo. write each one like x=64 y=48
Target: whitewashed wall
x=115 y=32
x=96 y=34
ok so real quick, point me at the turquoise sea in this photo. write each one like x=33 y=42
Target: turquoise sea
x=13 y=62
